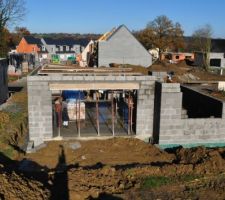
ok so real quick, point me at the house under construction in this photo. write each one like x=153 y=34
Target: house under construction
x=117 y=46
x=108 y=102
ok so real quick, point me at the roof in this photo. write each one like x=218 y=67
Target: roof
x=107 y=35
x=65 y=52
x=32 y=40
x=66 y=41
x=116 y=30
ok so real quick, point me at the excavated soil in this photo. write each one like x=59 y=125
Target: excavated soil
x=114 y=169
x=15 y=186
x=117 y=151
x=184 y=73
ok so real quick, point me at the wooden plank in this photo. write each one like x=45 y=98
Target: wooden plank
x=87 y=69
x=81 y=69
x=200 y=82
x=93 y=74
x=94 y=86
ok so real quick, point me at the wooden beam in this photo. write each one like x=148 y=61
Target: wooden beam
x=92 y=74
x=86 y=69
x=94 y=86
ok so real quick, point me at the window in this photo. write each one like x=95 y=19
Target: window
x=215 y=62
x=64 y=48
x=43 y=48
x=177 y=57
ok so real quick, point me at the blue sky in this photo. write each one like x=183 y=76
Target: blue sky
x=99 y=16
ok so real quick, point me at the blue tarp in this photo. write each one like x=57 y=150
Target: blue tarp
x=71 y=94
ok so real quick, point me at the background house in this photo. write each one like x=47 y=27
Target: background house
x=64 y=48
x=3 y=80
x=85 y=54
x=33 y=46
x=177 y=57
x=29 y=44
x=121 y=47
x=216 y=55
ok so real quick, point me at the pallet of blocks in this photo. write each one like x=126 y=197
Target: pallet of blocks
x=73 y=109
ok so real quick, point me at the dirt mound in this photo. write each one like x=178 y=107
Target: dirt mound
x=185 y=73
x=202 y=188
x=14 y=186
x=191 y=156
x=109 y=168
x=203 y=159
x=117 y=151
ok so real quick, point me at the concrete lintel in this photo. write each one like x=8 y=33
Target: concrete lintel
x=94 y=86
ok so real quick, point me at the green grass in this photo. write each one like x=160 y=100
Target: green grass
x=155 y=181
x=158 y=181
x=188 y=177
x=9 y=152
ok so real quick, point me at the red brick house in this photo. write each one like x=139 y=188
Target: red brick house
x=29 y=44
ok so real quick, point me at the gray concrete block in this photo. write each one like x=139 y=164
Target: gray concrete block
x=109 y=78
x=67 y=78
x=78 y=78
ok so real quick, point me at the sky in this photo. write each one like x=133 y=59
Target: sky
x=99 y=16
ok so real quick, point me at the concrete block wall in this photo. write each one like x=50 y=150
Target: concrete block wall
x=40 y=111
x=223 y=113
x=170 y=113
x=40 y=104
x=145 y=107
x=123 y=48
x=175 y=130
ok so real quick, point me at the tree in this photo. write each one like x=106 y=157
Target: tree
x=202 y=42
x=162 y=33
x=17 y=35
x=4 y=42
x=11 y=12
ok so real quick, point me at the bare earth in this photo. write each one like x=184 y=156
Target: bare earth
x=117 y=168
x=114 y=169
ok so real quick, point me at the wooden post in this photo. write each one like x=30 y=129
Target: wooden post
x=59 y=123
x=116 y=111
x=97 y=115
x=128 y=114
x=79 y=116
x=76 y=108
x=131 y=115
x=112 y=104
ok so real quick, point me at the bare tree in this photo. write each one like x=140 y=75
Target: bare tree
x=11 y=12
x=162 y=33
x=202 y=42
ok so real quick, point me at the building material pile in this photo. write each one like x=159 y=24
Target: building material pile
x=75 y=110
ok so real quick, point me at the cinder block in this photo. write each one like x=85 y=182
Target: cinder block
x=130 y=78
x=78 y=78
x=109 y=78
x=140 y=78
x=120 y=78
x=55 y=77
x=67 y=78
